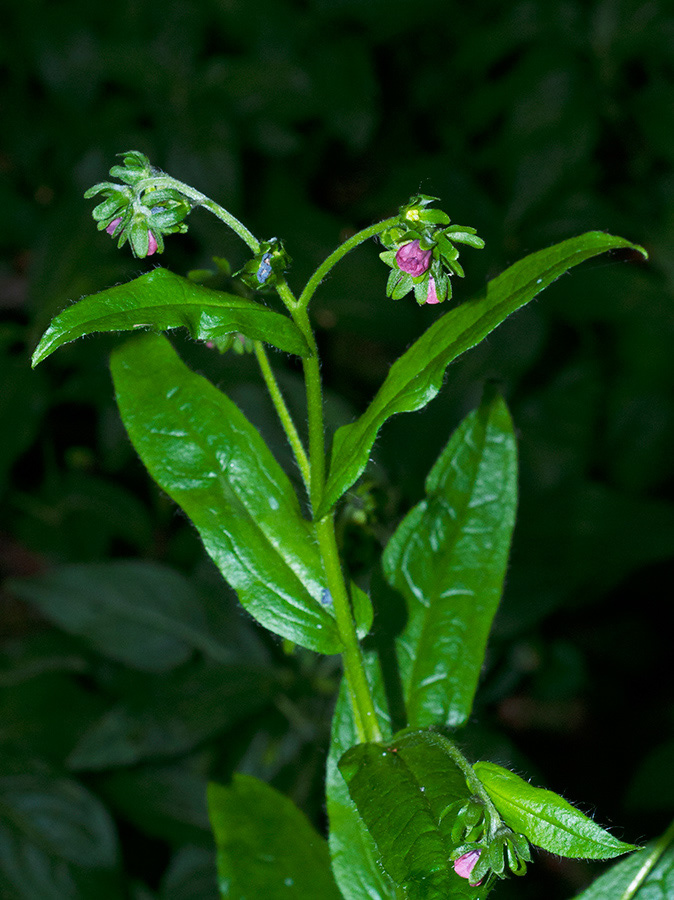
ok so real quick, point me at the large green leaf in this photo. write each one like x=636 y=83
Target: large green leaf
x=57 y=841
x=266 y=846
x=352 y=848
x=172 y=714
x=201 y=449
x=140 y=613
x=448 y=559
x=162 y=300
x=546 y=819
x=417 y=376
x=647 y=875
x=403 y=791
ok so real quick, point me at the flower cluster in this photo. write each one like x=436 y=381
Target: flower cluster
x=137 y=211
x=266 y=267
x=487 y=847
x=422 y=253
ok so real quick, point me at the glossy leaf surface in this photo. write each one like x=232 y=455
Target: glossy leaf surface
x=161 y=300
x=402 y=791
x=638 y=877
x=200 y=449
x=448 y=559
x=416 y=377
x=266 y=847
x=139 y=613
x=546 y=819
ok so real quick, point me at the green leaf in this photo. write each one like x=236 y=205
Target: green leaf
x=142 y=614
x=266 y=846
x=645 y=875
x=200 y=449
x=160 y=300
x=417 y=376
x=172 y=714
x=403 y=791
x=352 y=848
x=57 y=841
x=448 y=559
x=545 y=818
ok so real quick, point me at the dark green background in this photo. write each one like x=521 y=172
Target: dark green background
x=533 y=121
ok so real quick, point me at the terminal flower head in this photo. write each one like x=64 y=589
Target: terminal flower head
x=421 y=249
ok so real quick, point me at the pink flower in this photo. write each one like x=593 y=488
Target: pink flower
x=151 y=243
x=111 y=227
x=432 y=295
x=412 y=259
x=464 y=865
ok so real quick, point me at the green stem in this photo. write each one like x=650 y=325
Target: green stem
x=166 y=181
x=649 y=863
x=340 y=252
x=365 y=717
x=472 y=780
x=283 y=413
x=367 y=724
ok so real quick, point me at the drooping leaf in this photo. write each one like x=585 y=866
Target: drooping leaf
x=448 y=559
x=266 y=847
x=403 y=791
x=416 y=377
x=172 y=714
x=161 y=300
x=200 y=449
x=645 y=875
x=546 y=819
x=140 y=613
x=57 y=841
x=352 y=848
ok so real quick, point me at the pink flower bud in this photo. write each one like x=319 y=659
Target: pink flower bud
x=412 y=259
x=464 y=865
x=112 y=226
x=432 y=295
x=151 y=243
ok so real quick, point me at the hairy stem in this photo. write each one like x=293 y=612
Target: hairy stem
x=338 y=254
x=283 y=413
x=367 y=724
x=166 y=181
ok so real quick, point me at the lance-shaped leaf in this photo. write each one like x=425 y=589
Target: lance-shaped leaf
x=403 y=792
x=545 y=818
x=200 y=449
x=266 y=847
x=162 y=300
x=416 y=377
x=448 y=559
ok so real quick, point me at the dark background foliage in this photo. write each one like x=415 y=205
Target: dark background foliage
x=533 y=121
